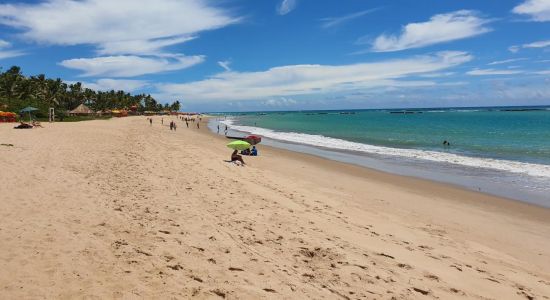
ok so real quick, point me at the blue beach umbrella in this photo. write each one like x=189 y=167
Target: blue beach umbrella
x=28 y=109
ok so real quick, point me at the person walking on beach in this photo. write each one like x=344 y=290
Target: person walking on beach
x=186 y=123
x=171 y=125
x=150 y=121
x=162 y=121
x=225 y=129
x=174 y=126
x=198 y=127
x=218 y=128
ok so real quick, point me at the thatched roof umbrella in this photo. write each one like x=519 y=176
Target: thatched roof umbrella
x=81 y=110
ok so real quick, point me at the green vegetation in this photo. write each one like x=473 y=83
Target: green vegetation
x=18 y=91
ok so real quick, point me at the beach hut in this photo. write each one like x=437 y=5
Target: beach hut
x=81 y=110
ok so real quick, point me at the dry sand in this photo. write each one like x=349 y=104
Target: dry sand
x=119 y=209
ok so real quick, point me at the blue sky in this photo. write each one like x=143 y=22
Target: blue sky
x=238 y=55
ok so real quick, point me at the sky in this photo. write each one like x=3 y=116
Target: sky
x=250 y=55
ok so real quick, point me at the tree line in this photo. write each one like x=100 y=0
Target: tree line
x=18 y=91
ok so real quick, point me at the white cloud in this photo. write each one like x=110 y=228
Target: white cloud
x=538 y=44
x=514 y=49
x=225 y=65
x=311 y=79
x=130 y=65
x=545 y=72
x=116 y=27
x=335 y=21
x=286 y=6
x=538 y=10
x=8 y=53
x=148 y=47
x=437 y=74
x=485 y=72
x=4 y=44
x=279 y=102
x=440 y=28
x=107 y=84
x=500 y=62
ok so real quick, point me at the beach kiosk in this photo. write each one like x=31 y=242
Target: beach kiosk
x=81 y=110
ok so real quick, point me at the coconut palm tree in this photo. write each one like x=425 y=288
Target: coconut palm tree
x=11 y=86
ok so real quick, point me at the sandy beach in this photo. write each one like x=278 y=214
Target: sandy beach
x=119 y=209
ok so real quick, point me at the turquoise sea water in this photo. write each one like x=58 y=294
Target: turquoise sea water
x=508 y=146
x=493 y=133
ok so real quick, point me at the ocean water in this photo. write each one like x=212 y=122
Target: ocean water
x=495 y=149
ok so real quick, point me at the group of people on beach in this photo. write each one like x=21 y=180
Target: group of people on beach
x=236 y=157
x=173 y=125
x=225 y=129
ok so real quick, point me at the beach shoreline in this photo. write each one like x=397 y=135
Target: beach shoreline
x=425 y=170
x=119 y=208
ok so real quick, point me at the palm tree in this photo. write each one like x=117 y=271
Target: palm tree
x=49 y=91
x=11 y=85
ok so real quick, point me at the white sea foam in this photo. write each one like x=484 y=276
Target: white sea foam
x=537 y=170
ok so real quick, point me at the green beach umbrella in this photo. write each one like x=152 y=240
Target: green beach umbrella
x=29 y=109
x=239 y=145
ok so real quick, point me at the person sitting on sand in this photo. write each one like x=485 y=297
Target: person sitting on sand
x=254 y=151
x=245 y=152
x=23 y=125
x=236 y=157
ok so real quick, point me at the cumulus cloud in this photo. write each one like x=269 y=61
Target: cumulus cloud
x=537 y=10
x=107 y=84
x=485 y=72
x=440 y=28
x=125 y=33
x=286 y=6
x=335 y=21
x=130 y=65
x=114 y=25
x=311 y=79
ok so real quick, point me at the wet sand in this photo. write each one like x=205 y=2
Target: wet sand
x=121 y=209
